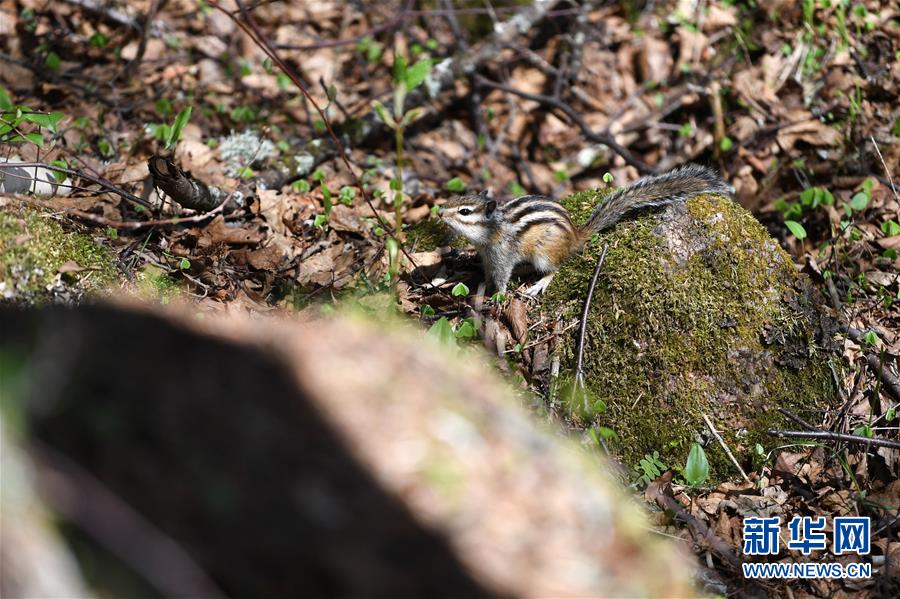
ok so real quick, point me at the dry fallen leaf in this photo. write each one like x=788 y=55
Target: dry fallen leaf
x=516 y=316
x=268 y=258
x=70 y=266
x=809 y=130
x=219 y=232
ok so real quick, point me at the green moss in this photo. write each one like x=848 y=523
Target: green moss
x=33 y=247
x=154 y=282
x=430 y=234
x=726 y=329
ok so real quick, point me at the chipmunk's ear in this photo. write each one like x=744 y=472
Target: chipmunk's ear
x=490 y=207
x=485 y=193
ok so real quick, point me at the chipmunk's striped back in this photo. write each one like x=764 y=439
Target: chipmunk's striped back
x=524 y=213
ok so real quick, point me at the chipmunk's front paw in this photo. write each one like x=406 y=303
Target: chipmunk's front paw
x=539 y=287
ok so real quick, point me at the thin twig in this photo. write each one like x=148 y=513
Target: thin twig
x=721 y=441
x=589 y=134
x=799 y=420
x=107 y=185
x=582 y=327
x=135 y=62
x=886 y=169
x=835 y=437
x=140 y=224
x=701 y=531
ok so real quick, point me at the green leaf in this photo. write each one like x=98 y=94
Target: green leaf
x=725 y=144
x=607 y=433
x=696 y=471
x=60 y=177
x=498 y=298
x=318 y=176
x=860 y=201
x=180 y=121
x=5 y=102
x=796 y=228
x=466 y=330
x=301 y=186
x=870 y=337
x=863 y=430
x=320 y=221
x=164 y=107
x=417 y=73
x=442 y=331
x=890 y=414
x=347 y=194
x=890 y=228
x=35 y=137
x=326 y=200
x=808 y=196
x=184 y=264
x=608 y=178
x=456 y=185
x=50 y=121
x=400 y=64
x=410 y=117
x=427 y=310
x=98 y=40
x=383 y=114
x=53 y=61
x=459 y=290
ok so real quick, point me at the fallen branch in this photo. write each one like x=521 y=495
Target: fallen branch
x=140 y=224
x=721 y=441
x=829 y=436
x=180 y=185
x=107 y=185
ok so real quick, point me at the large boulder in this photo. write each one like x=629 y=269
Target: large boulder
x=697 y=311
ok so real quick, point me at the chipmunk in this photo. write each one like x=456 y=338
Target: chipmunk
x=536 y=229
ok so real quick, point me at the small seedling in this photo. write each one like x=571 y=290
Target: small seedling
x=459 y=290
x=456 y=185
x=796 y=229
x=696 y=471
x=442 y=331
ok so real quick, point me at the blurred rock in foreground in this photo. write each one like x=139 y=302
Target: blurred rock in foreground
x=332 y=458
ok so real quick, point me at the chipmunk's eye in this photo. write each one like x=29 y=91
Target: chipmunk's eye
x=465 y=211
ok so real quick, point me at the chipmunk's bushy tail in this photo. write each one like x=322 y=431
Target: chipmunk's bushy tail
x=656 y=190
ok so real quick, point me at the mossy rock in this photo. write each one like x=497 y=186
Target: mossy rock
x=430 y=233
x=35 y=248
x=697 y=311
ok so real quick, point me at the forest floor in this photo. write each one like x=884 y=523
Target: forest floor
x=327 y=195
